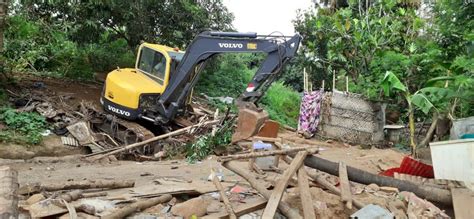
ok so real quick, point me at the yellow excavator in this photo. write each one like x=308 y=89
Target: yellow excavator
x=157 y=88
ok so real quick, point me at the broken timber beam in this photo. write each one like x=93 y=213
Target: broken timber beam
x=310 y=150
x=226 y=201
x=258 y=185
x=305 y=194
x=156 y=138
x=86 y=184
x=280 y=187
x=8 y=192
x=137 y=206
x=346 y=194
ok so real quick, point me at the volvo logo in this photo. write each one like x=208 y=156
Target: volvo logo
x=231 y=45
x=119 y=111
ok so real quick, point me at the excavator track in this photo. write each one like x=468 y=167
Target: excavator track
x=121 y=132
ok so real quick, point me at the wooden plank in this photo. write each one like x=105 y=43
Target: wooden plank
x=463 y=200
x=305 y=194
x=241 y=210
x=226 y=201
x=277 y=193
x=8 y=192
x=346 y=194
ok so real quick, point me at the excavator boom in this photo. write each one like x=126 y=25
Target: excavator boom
x=279 y=50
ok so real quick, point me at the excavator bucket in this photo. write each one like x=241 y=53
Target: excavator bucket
x=249 y=123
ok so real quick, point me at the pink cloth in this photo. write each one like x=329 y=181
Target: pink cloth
x=310 y=111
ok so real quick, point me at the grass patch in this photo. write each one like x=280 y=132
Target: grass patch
x=282 y=104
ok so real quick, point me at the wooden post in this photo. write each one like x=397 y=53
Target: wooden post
x=226 y=201
x=280 y=187
x=139 y=205
x=347 y=84
x=305 y=194
x=346 y=194
x=8 y=193
x=333 y=80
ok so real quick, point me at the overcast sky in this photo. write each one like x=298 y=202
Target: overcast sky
x=265 y=16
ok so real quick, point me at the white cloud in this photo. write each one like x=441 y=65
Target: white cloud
x=265 y=16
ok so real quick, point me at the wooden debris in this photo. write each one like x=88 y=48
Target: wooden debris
x=346 y=194
x=137 y=206
x=86 y=184
x=320 y=180
x=267 y=139
x=310 y=150
x=71 y=196
x=259 y=186
x=92 y=195
x=156 y=138
x=226 y=201
x=241 y=210
x=463 y=200
x=277 y=193
x=45 y=208
x=305 y=193
x=8 y=191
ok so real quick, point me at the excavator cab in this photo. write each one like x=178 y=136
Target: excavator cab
x=130 y=91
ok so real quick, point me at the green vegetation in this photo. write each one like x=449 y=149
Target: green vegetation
x=22 y=127
x=229 y=74
x=206 y=144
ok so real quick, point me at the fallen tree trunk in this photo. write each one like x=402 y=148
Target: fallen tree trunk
x=259 y=186
x=430 y=193
x=137 y=206
x=8 y=193
x=86 y=184
x=310 y=150
x=156 y=138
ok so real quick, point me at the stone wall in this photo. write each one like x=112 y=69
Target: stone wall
x=349 y=118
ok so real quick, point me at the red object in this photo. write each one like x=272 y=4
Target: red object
x=412 y=167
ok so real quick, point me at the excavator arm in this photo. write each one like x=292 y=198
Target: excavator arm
x=279 y=51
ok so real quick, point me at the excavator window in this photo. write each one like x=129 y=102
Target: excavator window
x=153 y=64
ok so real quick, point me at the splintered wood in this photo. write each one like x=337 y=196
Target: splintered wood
x=346 y=194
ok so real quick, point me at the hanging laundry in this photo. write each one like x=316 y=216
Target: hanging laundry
x=310 y=111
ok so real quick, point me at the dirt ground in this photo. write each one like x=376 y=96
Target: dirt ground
x=53 y=162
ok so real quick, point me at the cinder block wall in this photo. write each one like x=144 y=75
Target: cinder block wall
x=350 y=118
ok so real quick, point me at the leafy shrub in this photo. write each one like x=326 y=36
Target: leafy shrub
x=206 y=144
x=28 y=124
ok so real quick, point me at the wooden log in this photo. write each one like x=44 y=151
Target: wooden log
x=305 y=193
x=226 y=201
x=277 y=193
x=92 y=195
x=156 y=138
x=86 y=184
x=8 y=193
x=310 y=150
x=241 y=210
x=267 y=139
x=346 y=194
x=259 y=186
x=137 y=206
x=357 y=175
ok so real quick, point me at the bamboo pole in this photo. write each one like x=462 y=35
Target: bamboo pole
x=226 y=201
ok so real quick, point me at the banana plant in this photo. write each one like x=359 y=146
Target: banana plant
x=425 y=99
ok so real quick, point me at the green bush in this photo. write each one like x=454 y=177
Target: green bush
x=26 y=124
